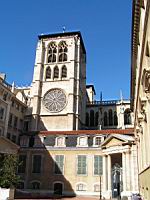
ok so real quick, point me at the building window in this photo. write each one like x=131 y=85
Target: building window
x=96 y=188
x=26 y=126
x=60 y=142
x=10 y=119
x=2 y=111
x=8 y=135
x=81 y=187
x=5 y=96
x=98 y=165
x=148 y=49
x=91 y=117
x=12 y=103
x=36 y=167
x=22 y=164
x=1 y=131
x=20 y=185
x=17 y=106
x=59 y=164
x=127 y=117
x=82 y=141
x=13 y=138
x=105 y=119
x=24 y=141
x=15 y=122
x=110 y=117
x=56 y=72
x=64 y=72
x=58 y=188
x=36 y=185
x=97 y=141
x=48 y=72
x=96 y=118
x=87 y=119
x=62 y=50
x=115 y=119
x=20 y=124
x=81 y=165
x=52 y=51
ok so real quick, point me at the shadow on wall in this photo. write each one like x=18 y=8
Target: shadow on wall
x=41 y=170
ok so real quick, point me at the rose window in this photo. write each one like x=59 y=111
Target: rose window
x=54 y=100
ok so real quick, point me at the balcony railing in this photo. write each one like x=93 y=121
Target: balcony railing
x=109 y=102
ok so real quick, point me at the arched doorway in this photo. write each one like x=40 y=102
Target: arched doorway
x=116 y=180
x=116 y=175
x=58 y=187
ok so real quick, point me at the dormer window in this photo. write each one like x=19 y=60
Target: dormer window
x=60 y=142
x=97 y=141
x=82 y=141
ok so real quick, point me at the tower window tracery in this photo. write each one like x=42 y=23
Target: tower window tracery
x=64 y=72
x=115 y=118
x=48 y=72
x=110 y=117
x=52 y=51
x=105 y=119
x=56 y=72
x=62 y=51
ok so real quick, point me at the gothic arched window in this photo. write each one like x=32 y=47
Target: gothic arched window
x=110 y=116
x=52 y=51
x=105 y=119
x=127 y=117
x=64 y=72
x=92 y=118
x=62 y=50
x=115 y=119
x=87 y=119
x=96 y=118
x=48 y=72
x=56 y=72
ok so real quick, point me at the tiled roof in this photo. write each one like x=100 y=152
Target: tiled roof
x=89 y=132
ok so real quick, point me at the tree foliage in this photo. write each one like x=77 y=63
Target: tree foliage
x=8 y=167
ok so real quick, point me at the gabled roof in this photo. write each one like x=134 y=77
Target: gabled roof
x=7 y=146
x=89 y=132
x=123 y=138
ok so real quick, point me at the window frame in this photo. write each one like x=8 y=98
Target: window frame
x=94 y=141
x=55 y=163
x=64 y=141
x=25 y=167
x=100 y=167
x=41 y=169
x=78 y=141
x=35 y=181
x=86 y=169
x=84 y=184
x=3 y=114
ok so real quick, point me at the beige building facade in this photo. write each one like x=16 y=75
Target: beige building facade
x=140 y=90
x=72 y=144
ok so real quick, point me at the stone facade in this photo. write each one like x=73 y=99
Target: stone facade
x=70 y=143
x=140 y=91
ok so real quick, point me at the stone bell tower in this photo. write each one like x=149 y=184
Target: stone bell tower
x=58 y=93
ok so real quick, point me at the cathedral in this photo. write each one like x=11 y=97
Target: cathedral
x=69 y=144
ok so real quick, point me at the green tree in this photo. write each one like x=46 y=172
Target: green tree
x=8 y=167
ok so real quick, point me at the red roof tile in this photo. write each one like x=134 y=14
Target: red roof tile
x=89 y=132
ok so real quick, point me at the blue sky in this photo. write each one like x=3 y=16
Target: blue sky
x=104 y=25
